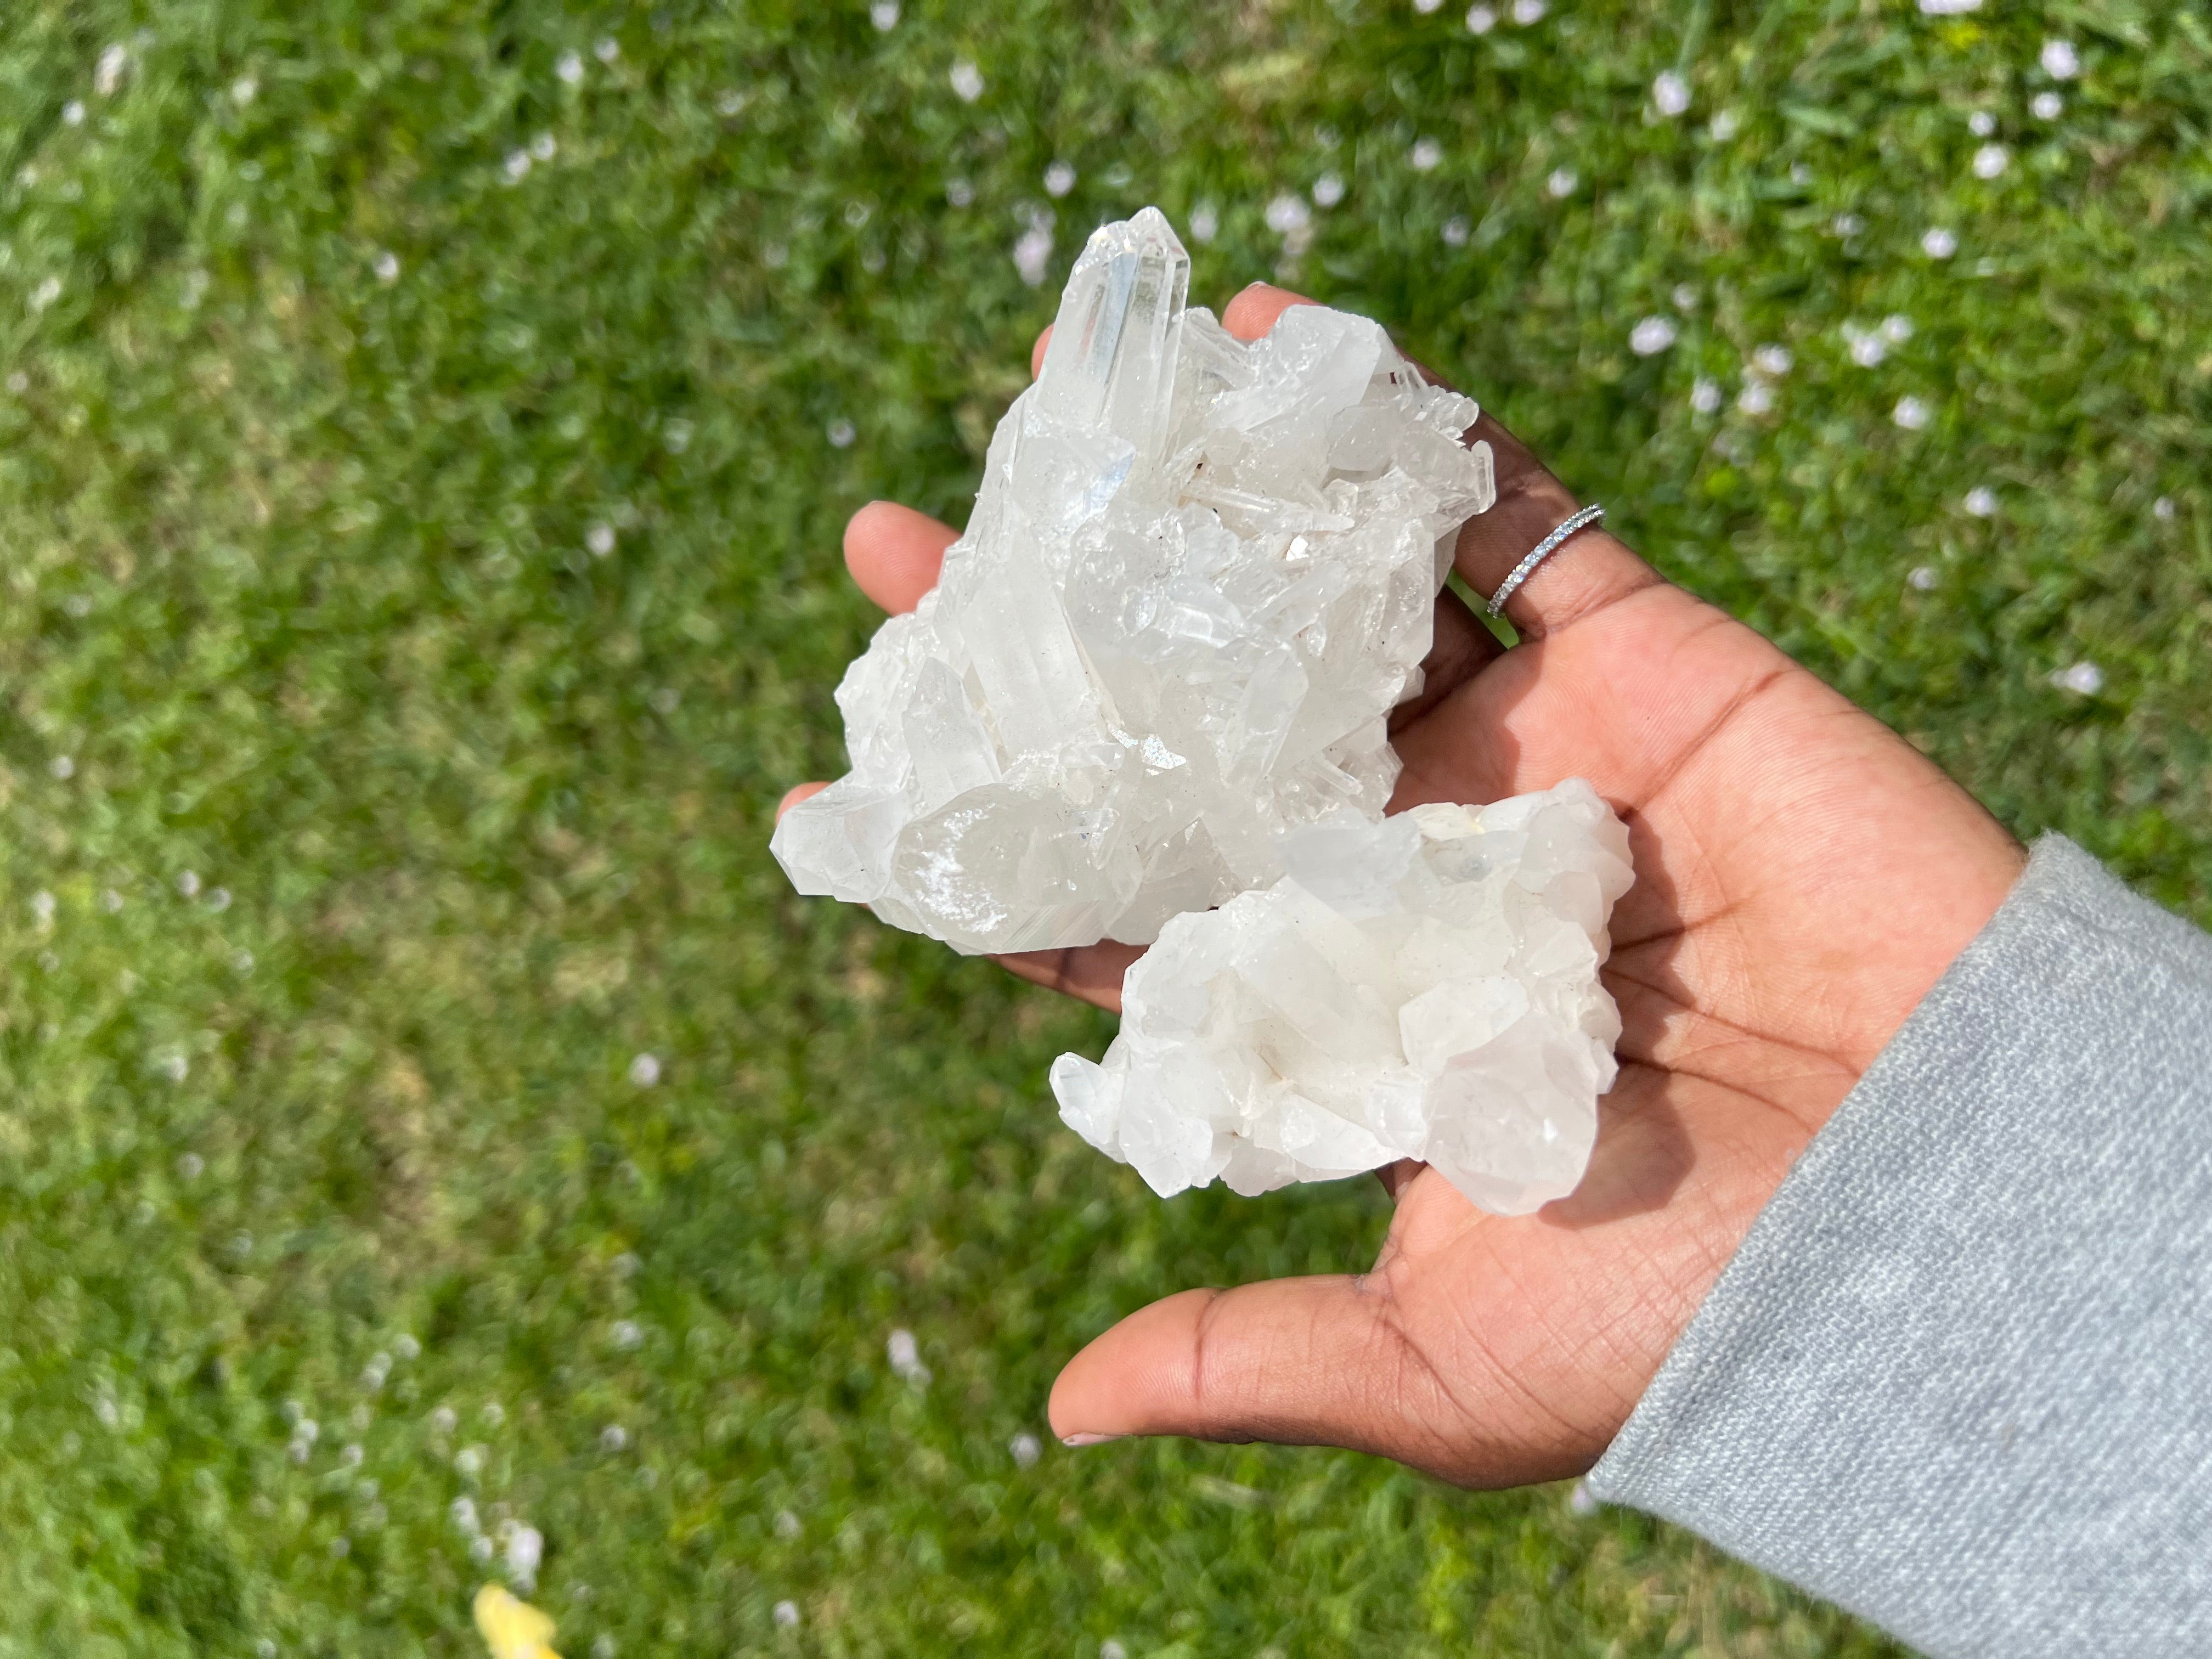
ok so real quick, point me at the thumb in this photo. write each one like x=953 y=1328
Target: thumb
x=1316 y=1361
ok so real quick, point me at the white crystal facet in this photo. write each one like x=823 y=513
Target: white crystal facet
x=1198 y=575
x=1425 y=987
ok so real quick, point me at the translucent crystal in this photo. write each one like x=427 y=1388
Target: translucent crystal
x=1198 y=575
x=1425 y=987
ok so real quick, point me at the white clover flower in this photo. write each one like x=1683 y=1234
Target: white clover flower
x=1025 y=1447
x=1426 y=8
x=1846 y=225
x=1990 y=160
x=1651 y=336
x=1328 y=190
x=2163 y=508
x=1897 y=328
x=1705 y=396
x=1923 y=578
x=786 y=1615
x=1981 y=124
x=1059 y=179
x=1527 y=13
x=2047 y=106
x=841 y=433
x=1725 y=125
x=243 y=89
x=1981 y=501
x=1287 y=214
x=516 y=165
x=1910 y=413
x=966 y=81
x=606 y=49
x=1773 y=361
x=1480 y=19
x=2084 y=678
x=1867 y=345
x=1424 y=155
x=385 y=265
x=1948 y=8
x=787 y=1525
x=2060 y=61
x=1456 y=231
x=1033 y=253
x=1757 y=398
x=543 y=146
x=569 y=67
x=1938 y=243
x=1561 y=183
x=1670 y=94
x=645 y=1070
x=107 y=74
x=1205 y=222
x=885 y=15
x=73 y=113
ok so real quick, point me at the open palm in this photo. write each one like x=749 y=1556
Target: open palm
x=1803 y=877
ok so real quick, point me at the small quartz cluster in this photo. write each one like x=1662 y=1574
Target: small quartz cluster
x=1199 y=574
x=1423 y=986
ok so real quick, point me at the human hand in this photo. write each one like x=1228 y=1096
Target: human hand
x=1802 y=877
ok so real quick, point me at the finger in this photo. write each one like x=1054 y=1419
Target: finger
x=894 y=553
x=1036 y=352
x=1394 y=1177
x=792 y=797
x=1298 y=1361
x=1092 y=972
x=1254 y=312
x=1582 y=576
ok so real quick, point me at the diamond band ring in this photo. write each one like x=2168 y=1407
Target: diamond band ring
x=1542 y=551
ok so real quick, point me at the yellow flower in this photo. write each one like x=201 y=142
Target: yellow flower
x=514 y=1630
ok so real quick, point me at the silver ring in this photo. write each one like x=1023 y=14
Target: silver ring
x=1542 y=551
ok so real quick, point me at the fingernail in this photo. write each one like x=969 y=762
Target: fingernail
x=1087 y=1439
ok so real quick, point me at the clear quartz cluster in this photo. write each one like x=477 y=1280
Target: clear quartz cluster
x=1199 y=574
x=1423 y=986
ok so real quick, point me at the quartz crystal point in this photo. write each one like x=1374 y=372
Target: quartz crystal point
x=1425 y=987
x=1198 y=575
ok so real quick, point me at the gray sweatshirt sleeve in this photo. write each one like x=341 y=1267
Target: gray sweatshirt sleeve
x=1959 y=1378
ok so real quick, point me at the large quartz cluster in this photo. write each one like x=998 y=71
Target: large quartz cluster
x=1425 y=987
x=1151 y=681
x=1198 y=575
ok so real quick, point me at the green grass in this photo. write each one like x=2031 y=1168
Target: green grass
x=297 y=592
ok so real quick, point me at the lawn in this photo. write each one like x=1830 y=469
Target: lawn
x=425 y=435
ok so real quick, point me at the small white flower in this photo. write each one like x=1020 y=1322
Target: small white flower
x=1949 y=8
x=626 y=1265
x=959 y=192
x=614 y=1437
x=1990 y=160
x=606 y=49
x=1897 y=328
x=676 y=436
x=73 y=113
x=1456 y=231
x=1288 y=214
x=627 y=1334
x=1428 y=7
x=1981 y=501
x=786 y=1615
x=600 y=539
x=787 y=1525
x=42 y=907
x=732 y=102
x=1868 y=347
x=841 y=433
x=1480 y=19
x=1981 y=124
x=1910 y=413
x=526 y=1548
x=1725 y=126
x=1033 y=254
x=569 y=67
x=1684 y=296
x=1059 y=179
x=1328 y=190
x=1670 y=94
x=1773 y=361
x=1923 y=578
x=543 y=146
x=2084 y=678
x=516 y=165
x=2163 y=508
x=1205 y=222
x=1651 y=336
x=46 y=293
x=905 y=1357
x=1705 y=396
x=188 y=883
x=2060 y=61
x=385 y=265
x=1582 y=1500
x=1025 y=1447
x=885 y=15
x=62 y=767
x=1561 y=183
x=190 y=1167
x=444 y=1420
x=1424 y=155
x=645 y=1071
x=480 y=1548
x=243 y=89
x=1938 y=243
x=351 y=1457
x=1110 y=1649
x=469 y=1460
x=1846 y=224
x=2047 y=106
x=966 y=81
x=1527 y=13
x=603 y=1646
x=1757 y=398
x=107 y=74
